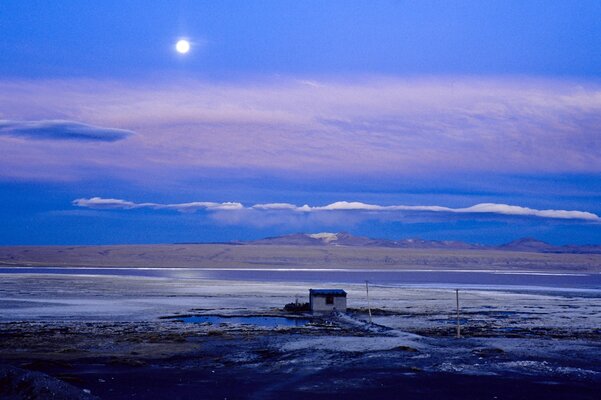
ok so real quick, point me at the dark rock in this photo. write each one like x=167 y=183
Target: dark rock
x=19 y=384
x=406 y=348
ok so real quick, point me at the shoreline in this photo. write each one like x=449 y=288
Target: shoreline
x=354 y=270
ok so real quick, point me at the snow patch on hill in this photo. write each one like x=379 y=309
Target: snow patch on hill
x=326 y=237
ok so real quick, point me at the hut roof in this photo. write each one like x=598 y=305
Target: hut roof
x=327 y=292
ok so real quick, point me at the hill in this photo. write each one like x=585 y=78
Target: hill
x=346 y=239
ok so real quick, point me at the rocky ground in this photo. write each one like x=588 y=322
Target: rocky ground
x=341 y=357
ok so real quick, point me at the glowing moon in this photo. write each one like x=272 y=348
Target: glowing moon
x=182 y=46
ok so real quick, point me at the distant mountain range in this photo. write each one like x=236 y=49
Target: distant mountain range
x=346 y=239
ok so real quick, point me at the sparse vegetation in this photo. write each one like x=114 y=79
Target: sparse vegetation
x=297 y=307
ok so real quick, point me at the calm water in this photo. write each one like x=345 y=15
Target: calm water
x=388 y=278
x=270 y=322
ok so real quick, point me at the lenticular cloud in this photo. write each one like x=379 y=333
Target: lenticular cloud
x=340 y=206
x=100 y=203
x=61 y=130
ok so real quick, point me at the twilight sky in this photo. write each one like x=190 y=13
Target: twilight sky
x=460 y=120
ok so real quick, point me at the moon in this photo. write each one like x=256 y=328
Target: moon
x=182 y=46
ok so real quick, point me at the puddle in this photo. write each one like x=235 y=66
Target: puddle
x=269 y=322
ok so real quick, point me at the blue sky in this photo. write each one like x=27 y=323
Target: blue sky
x=413 y=113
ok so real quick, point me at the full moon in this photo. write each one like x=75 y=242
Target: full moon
x=182 y=46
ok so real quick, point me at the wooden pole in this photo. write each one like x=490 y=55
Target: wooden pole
x=458 y=323
x=368 y=305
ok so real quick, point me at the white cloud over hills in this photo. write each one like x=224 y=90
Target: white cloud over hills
x=341 y=206
x=101 y=203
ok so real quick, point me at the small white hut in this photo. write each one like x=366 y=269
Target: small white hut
x=327 y=300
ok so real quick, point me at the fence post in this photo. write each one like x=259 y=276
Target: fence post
x=458 y=323
x=368 y=305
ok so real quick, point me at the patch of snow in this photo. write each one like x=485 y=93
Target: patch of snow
x=326 y=237
x=575 y=371
x=466 y=369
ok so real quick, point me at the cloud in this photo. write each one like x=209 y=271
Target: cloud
x=333 y=127
x=525 y=211
x=202 y=205
x=101 y=203
x=275 y=206
x=61 y=130
x=343 y=206
x=483 y=208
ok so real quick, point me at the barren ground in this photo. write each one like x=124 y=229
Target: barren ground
x=254 y=256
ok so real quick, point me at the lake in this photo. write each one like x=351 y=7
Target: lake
x=460 y=279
